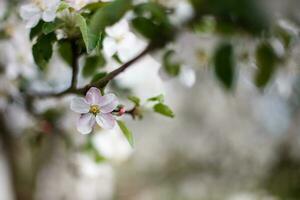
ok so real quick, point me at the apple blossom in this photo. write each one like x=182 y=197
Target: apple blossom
x=120 y=40
x=94 y=108
x=39 y=9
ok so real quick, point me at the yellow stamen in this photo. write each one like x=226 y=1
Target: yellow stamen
x=94 y=109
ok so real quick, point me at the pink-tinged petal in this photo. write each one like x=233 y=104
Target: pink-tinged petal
x=108 y=103
x=106 y=121
x=85 y=123
x=49 y=15
x=28 y=11
x=79 y=105
x=33 y=21
x=107 y=99
x=93 y=96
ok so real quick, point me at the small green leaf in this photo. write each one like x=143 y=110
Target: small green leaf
x=63 y=5
x=42 y=50
x=160 y=98
x=266 y=62
x=135 y=100
x=171 y=67
x=90 y=40
x=49 y=27
x=65 y=51
x=94 y=6
x=37 y=30
x=107 y=15
x=98 y=76
x=164 y=110
x=92 y=63
x=127 y=133
x=224 y=64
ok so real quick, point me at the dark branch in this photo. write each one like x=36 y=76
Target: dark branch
x=105 y=80
x=100 y=84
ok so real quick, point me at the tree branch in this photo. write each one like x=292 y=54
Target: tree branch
x=100 y=84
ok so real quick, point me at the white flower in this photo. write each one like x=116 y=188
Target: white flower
x=39 y=9
x=182 y=12
x=94 y=108
x=121 y=41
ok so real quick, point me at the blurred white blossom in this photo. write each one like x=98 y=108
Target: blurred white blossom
x=121 y=42
x=39 y=9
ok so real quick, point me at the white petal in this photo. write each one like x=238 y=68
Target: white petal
x=187 y=77
x=93 y=96
x=118 y=29
x=28 y=11
x=105 y=121
x=109 y=46
x=125 y=47
x=49 y=15
x=80 y=105
x=108 y=103
x=86 y=123
x=33 y=21
x=51 y=4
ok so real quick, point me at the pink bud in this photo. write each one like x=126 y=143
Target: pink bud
x=121 y=111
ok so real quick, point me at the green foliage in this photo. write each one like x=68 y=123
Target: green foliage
x=170 y=66
x=224 y=64
x=37 y=30
x=152 y=22
x=163 y=110
x=65 y=51
x=135 y=100
x=98 y=76
x=127 y=133
x=90 y=40
x=92 y=63
x=105 y=16
x=42 y=50
x=266 y=60
x=49 y=27
x=246 y=15
x=160 y=98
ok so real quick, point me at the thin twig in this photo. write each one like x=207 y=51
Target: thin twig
x=100 y=84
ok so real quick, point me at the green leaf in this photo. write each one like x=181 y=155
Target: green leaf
x=127 y=133
x=135 y=100
x=171 y=67
x=246 y=15
x=107 y=15
x=164 y=110
x=160 y=98
x=65 y=51
x=266 y=62
x=49 y=27
x=157 y=11
x=63 y=5
x=94 y=6
x=37 y=30
x=98 y=76
x=224 y=64
x=90 y=40
x=92 y=63
x=42 y=50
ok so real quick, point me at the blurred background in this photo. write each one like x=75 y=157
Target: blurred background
x=242 y=144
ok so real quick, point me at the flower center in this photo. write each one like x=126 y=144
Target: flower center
x=94 y=109
x=119 y=39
